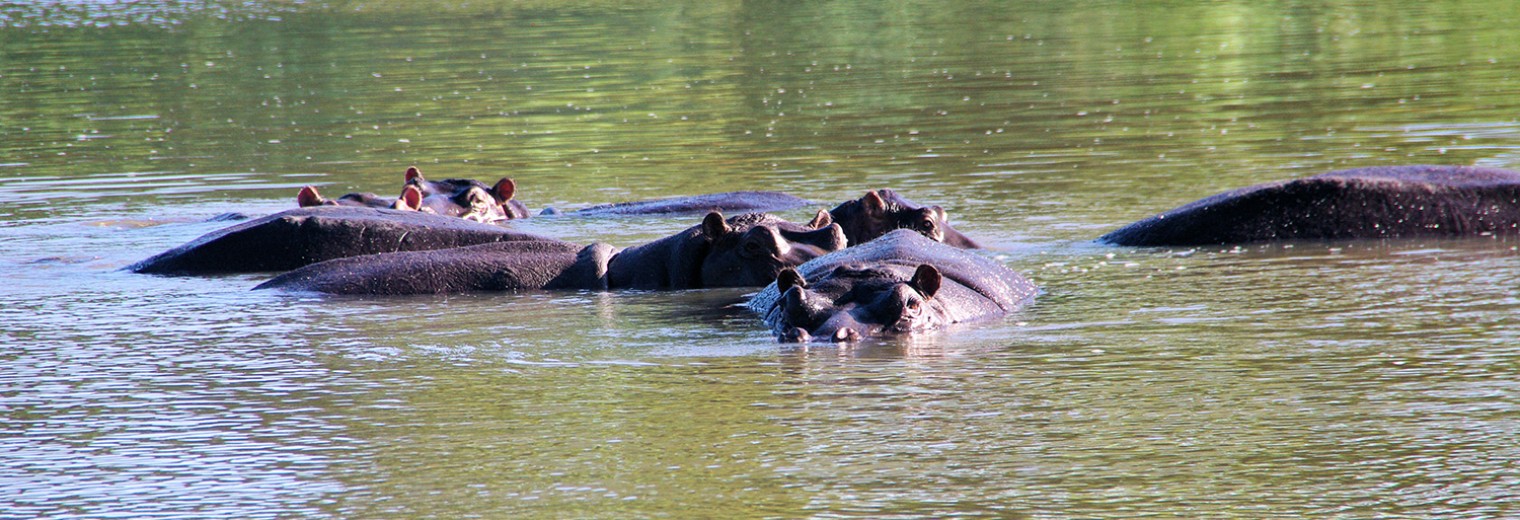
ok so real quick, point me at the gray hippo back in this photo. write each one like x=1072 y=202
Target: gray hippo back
x=1377 y=202
x=302 y=236
x=901 y=283
x=746 y=250
x=733 y=201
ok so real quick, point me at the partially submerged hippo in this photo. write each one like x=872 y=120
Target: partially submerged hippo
x=746 y=250
x=733 y=201
x=1376 y=202
x=309 y=197
x=302 y=236
x=901 y=283
x=879 y=211
x=464 y=198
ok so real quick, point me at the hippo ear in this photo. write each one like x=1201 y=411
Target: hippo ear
x=410 y=199
x=873 y=203
x=790 y=278
x=713 y=225
x=308 y=197
x=413 y=173
x=821 y=220
x=927 y=280
x=939 y=213
x=503 y=190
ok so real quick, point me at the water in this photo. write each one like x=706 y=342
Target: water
x=1329 y=380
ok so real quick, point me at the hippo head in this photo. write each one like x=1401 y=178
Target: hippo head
x=750 y=250
x=468 y=199
x=854 y=302
x=880 y=211
x=308 y=196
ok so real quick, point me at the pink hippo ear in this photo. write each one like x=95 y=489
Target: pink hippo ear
x=309 y=197
x=821 y=220
x=790 y=278
x=412 y=173
x=926 y=279
x=504 y=190
x=873 y=203
x=713 y=226
x=410 y=199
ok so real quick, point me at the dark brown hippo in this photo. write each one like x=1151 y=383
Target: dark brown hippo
x=746 y=250
x=1376 y=202
x=879 y=211
x=302 y=236
x=900 y=283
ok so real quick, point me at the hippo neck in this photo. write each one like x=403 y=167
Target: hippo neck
x=673 y=262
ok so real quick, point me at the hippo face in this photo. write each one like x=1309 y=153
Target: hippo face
x=309 y=197
x=463 y=198
x=881 y=211
x=854 y=302
x=750 y=250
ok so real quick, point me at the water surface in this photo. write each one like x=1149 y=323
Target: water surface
x=1330 y=380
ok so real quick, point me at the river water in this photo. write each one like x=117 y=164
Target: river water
x=1328 y=380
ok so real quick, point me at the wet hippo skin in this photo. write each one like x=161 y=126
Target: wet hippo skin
x=899 y=284
x=732 y=202
x=1377 y=202
x=302 y=236
x=883 y=210
x=746 y=250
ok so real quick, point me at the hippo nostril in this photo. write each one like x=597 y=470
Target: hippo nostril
x=846 y=336
x=795 y=335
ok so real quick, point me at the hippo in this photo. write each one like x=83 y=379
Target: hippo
x=308 y=197
x=302 y=236
x=496 y=266
x=902 y=283
x=746 y=250
x=733 y=201
x=883 y=210
x=465 y=198
x=1375 y=202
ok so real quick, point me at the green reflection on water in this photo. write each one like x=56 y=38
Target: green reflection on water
x=1344 y=380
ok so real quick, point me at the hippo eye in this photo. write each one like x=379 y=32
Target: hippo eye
x=755 y=249
x=913 y=307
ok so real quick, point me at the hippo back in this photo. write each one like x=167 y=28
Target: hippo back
x=499 y=266
x=1377 y=202
x=298 y=237
x=731 y=202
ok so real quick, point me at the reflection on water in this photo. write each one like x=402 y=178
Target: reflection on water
x=1353 y=379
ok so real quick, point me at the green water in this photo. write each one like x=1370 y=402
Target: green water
x=1320 y=380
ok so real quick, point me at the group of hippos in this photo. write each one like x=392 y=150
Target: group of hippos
x=877 y=265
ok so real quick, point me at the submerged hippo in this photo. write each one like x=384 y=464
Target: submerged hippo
x=733 y=201
x=901 y=283
x=746 y=250
x=1376 y=202
x=883 y=210
x=302 y=236
x=468 y=199
x=309 y=197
